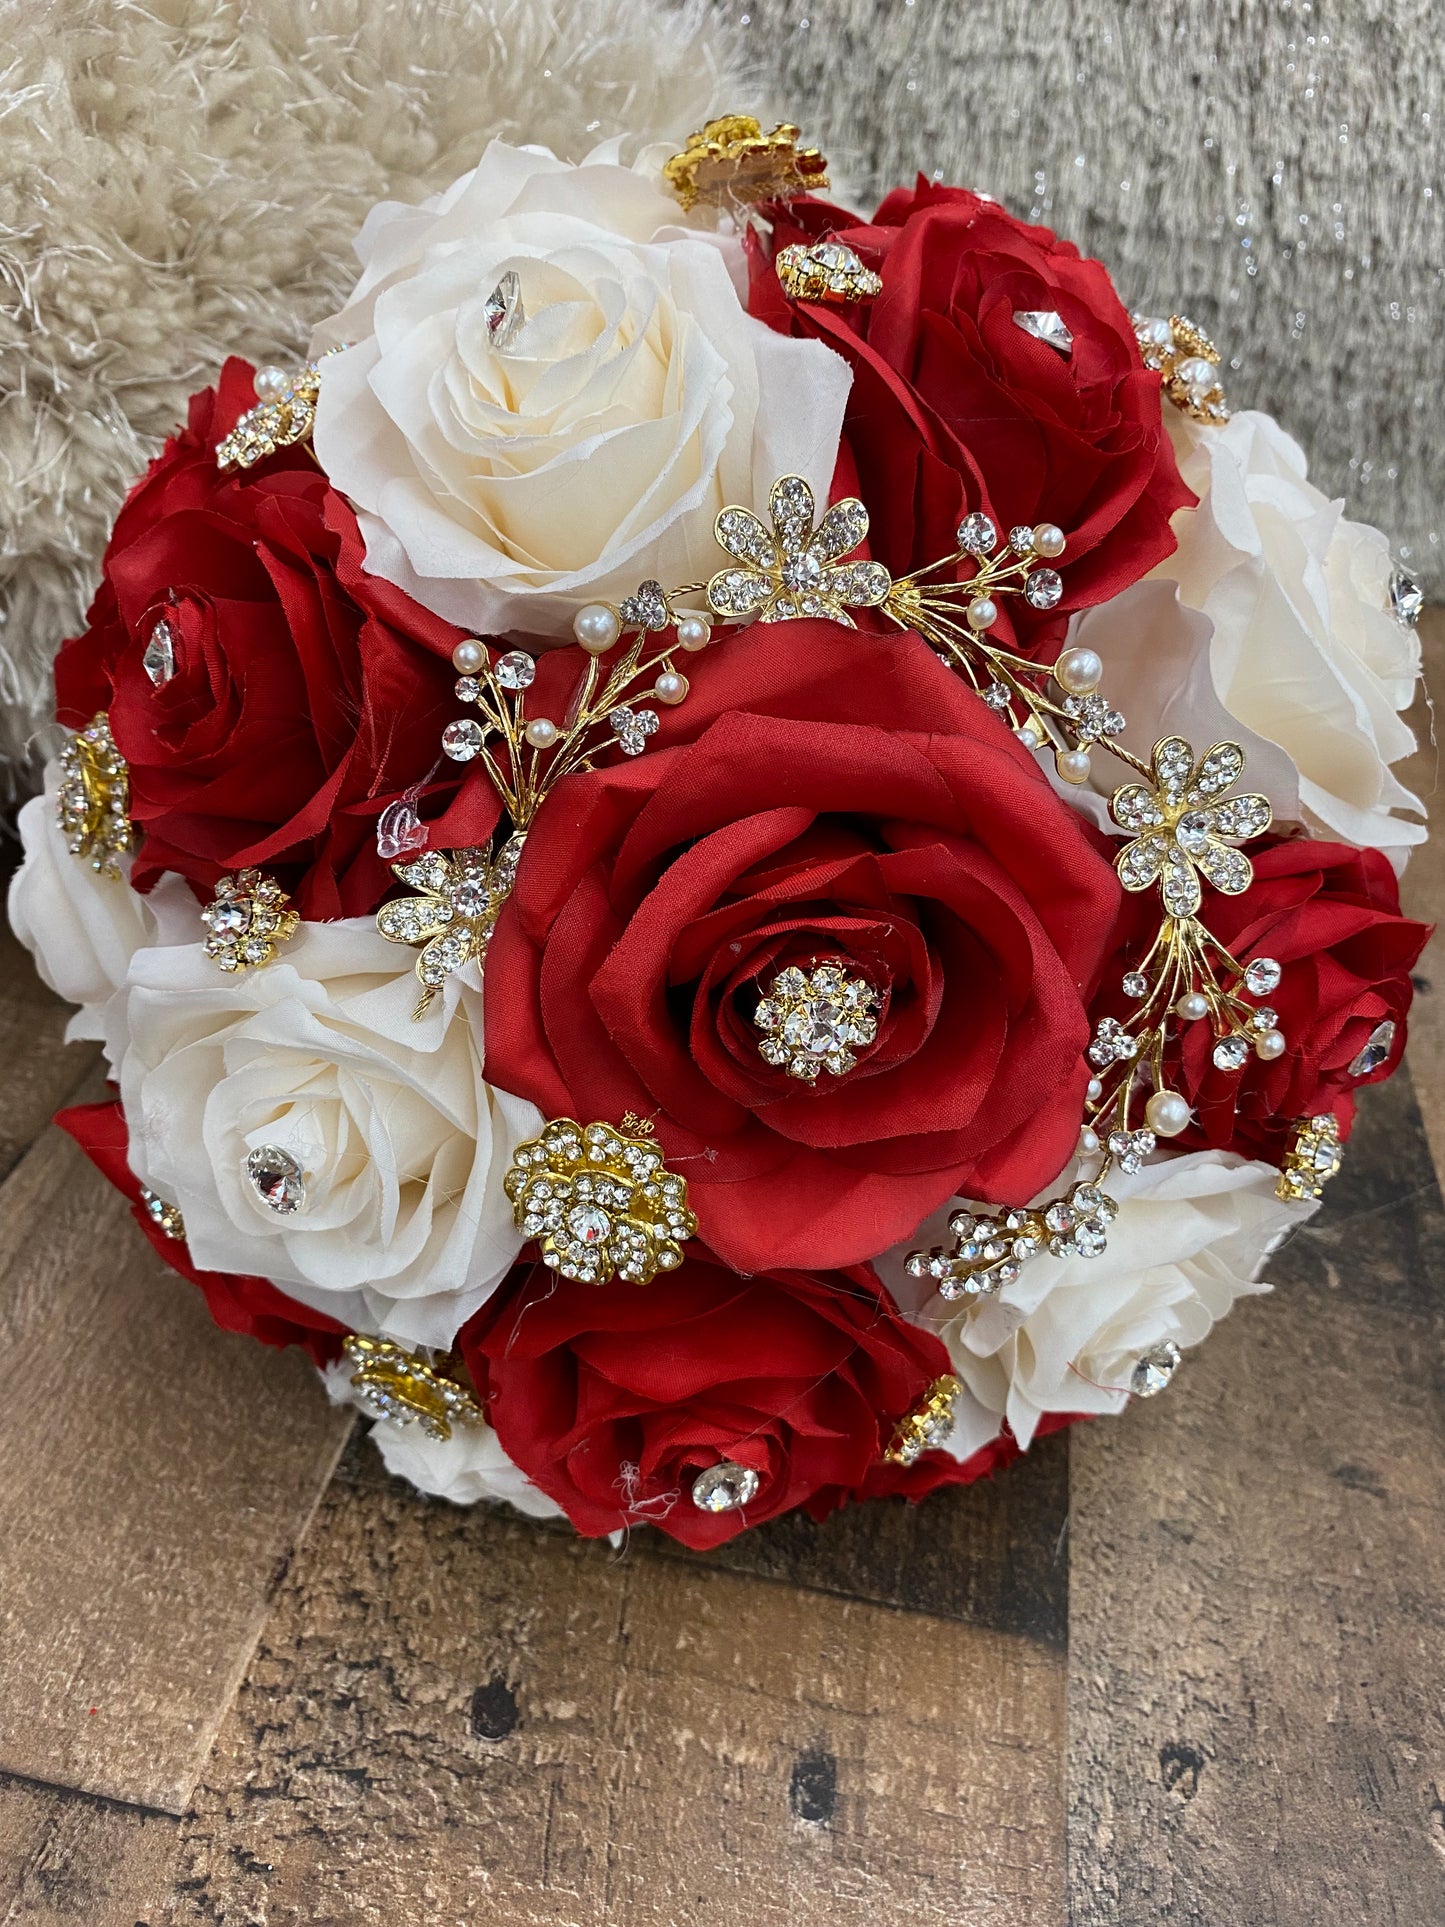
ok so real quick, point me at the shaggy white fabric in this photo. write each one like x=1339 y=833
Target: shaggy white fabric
x=183 y=179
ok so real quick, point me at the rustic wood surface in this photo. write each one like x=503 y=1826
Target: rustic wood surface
x=1180 y=1668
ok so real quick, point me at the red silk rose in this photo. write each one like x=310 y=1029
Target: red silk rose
x=1330 y=915
x=613 y=1399
x=307 y=695
x=955 y=406
x=922 y=847
x=252 y=1306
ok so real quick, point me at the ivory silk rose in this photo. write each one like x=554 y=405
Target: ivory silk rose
x=1304 y=651
x=779 y=821
x=955 y=406
x=1192 y=1236
x=405 y=1227
x=505 y=479
x=275 y=740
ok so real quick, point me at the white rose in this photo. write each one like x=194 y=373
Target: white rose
x=405 y=1228
x=1304 y=652
x=1193 y=1234
x=81 y=927
x=469 y=1466
x=505 y=487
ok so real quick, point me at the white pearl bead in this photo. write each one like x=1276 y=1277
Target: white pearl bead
x=1166 y=1113
x=670 y=687
x=693 y=633
x=1270 y=1044
x=982 y=612
x=541 y=733
x=271 y=383
x=1073 y=765
x=1094 y=1089
x=1027 y=735
x=597 y=627
x=468 y=657
x=1080 y=671
x=1088 y=1141
x=1192 y=1006
x=1049 y=539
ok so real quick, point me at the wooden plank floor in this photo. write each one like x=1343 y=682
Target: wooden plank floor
x=1184 y=1667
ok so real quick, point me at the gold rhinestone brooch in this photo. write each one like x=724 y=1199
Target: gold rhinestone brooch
x=1189 y=362
x=825 y=271
x=928 y=1425
x=460 y=896
x=1184 y=826
x=93 y=804
x=1314 y=1156
x=732 y=162
x=393 y=1383
x=600 y=1203
x=797 y=569
x=814 y=1020
x=249 y=918
x=285 y=414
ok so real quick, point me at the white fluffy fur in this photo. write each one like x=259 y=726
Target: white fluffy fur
x=181 y=181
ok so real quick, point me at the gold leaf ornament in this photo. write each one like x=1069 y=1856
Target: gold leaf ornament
x=731 y=162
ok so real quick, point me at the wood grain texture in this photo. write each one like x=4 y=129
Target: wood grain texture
x=71 y=1860
x=42 y=1071
x=160 y=1475
x=460 y=1717
x=1257 y=1589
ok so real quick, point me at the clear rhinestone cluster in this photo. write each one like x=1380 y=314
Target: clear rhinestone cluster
x=816 y=1020
x=632 y=727
x=1184 y=826
x=284 y=415
x=825 y=271
x=93 y=803
x=1314 y=1156
x=1112 y=1044
x=1078 y=1224
x=249 y=918
x=988 y=1252
x=460 y=894
x=167 y=1216
x=600 y=1203
x=928 y=1426
x=1188 y=361
x=406 y=1388
x=797 y=569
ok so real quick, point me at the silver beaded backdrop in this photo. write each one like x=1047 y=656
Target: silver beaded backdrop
x=1272 y=168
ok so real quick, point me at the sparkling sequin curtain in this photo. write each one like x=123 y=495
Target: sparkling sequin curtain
x=1275 y=170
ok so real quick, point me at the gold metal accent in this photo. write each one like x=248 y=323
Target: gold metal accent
x=797 y=570
x=460 y=896
x=731 y=162
x=825 y=271
x=249 y=918
x=1314 y=1156
x=93 y=805
x=1184 y=825
x=600 y=1203
x=927 y=1426
x=273 y=424
x=393 y=1383
x=1184 y=360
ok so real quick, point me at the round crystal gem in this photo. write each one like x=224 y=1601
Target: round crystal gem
x=1261 y=976
x=462 y=740
x=802 y=572
x=516 y=670
x=1231 y=1053
x=1044 y=589
x=977 y=534
x=588 y=1224
x=1192 y=831
x=1135 y=984
x=278 y=1179
x=1154 y=1369
x=228 y=917
x=725 y=1487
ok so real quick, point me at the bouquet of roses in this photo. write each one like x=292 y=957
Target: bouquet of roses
x=733 y=856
